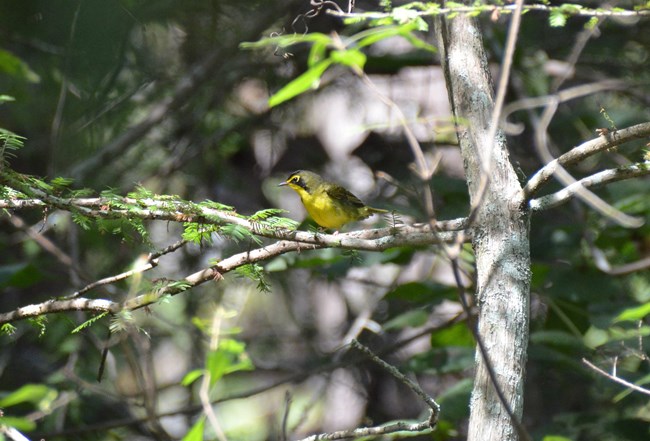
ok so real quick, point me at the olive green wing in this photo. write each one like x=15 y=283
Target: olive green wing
x=344 y=197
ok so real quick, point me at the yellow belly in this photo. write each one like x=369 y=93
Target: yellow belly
x=326 y=213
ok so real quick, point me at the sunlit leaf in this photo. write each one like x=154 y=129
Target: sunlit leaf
x=29 y=393
x=304 y=82
x=633 y=314
x=14 y=66
x=196 y=432
x=21 y=424
x=192 y=376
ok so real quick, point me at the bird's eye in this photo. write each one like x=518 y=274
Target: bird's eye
x=295 y=179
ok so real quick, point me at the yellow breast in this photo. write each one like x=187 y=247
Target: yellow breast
x=323 y=209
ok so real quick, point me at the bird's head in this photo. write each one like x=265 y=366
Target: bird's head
x=303 y=180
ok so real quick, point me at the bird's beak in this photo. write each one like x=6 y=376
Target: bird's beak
x=282 y=184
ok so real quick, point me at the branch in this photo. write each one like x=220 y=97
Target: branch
x=399 y=426
x=616 y=379
x=383 y=239
x=595 y=180
x=435 y=407
x=435 y=10
x=184 y=211
x=583 y=151
x=603 y=264
x=172 y=288
x=176 y=210
x=294 y=377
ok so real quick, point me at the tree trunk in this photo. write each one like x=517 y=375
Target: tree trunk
x=500 y=231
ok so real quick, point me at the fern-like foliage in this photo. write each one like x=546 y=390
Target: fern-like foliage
x=83 y=221
x=238 y=233
x=89 y=322
x=217 y=206
x=39 y=323
x=199 y=233
x=9 y=142
x=255 y=273
x=7 y=329
x=265 y=214
x=122 y=321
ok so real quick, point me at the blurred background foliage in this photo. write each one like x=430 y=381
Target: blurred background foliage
x=159 y=94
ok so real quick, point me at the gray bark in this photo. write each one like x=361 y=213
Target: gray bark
x=500 y=231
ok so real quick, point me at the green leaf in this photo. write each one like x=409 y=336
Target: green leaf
x=265 y=214
x=39 y=323
x=557 y=18
x=455 y=335
x=318 y=52
x=557 y=338
x=443 y=360
x=230 y=356
x=60 y=182
x=7 y=329
x=83 y=221
x=352 y=58
x=413 y=318
x=192 y=376
x=19 y=275
x=374 y=35
x=308 y=80
x=422 y=293
x=455 y=398
x=633 y=314
x=198 y=233
x=595 y=337
x=592 y=23
x=29 y=393
x=21 y=424
x=255 y=273
x=284 y=41
x=196 y=432
x=9 y=141
x=14 y=66
x=89 y=322
x=238 y=233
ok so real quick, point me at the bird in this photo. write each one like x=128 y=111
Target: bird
x=329 y=204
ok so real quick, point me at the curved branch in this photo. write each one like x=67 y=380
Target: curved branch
x=583 y=151
x=101 y=305
x=371 y=240
x=507 y=9
x=361 y=432
x=595 y=180
x=184 y=211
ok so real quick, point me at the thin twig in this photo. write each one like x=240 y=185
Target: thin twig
x=562 y=175
x=616 y=379
x=285 y=416
x=504 y=9
x=596 y=180
x=192 y=409
x=583 y=151
x=602 y=262
x=372 y=431
x=435 y=407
